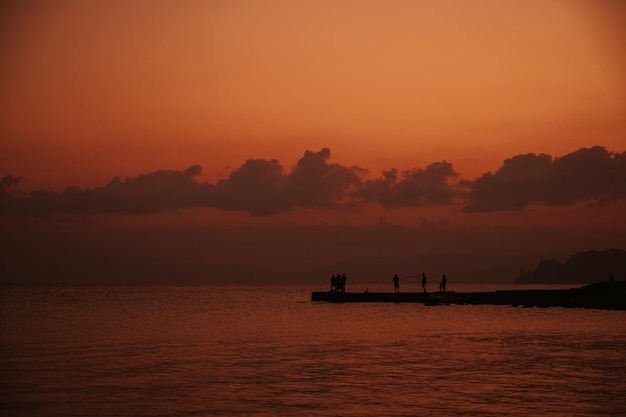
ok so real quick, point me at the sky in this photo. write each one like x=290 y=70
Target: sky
x=280 y=140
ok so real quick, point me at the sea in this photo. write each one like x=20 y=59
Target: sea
x=270 y=351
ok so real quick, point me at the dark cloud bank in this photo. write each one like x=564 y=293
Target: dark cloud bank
x=263 y=188
x=589 y=174
x=260 y=187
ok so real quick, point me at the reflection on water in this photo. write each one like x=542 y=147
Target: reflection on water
x=147 y=351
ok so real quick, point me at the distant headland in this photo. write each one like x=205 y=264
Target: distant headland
x=584 y=268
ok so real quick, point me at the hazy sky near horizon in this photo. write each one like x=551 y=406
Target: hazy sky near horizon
x=274 y=113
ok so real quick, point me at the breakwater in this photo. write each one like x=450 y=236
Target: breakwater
x=602 y=295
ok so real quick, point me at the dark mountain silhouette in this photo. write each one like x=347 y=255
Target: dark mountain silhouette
x=584 y=267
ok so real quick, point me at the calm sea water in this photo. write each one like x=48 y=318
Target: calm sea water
x=235 y=351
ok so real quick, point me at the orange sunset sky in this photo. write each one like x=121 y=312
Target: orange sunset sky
x=450 y=116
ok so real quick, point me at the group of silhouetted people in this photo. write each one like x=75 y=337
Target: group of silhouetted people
x=338 y=283
x=442 y=284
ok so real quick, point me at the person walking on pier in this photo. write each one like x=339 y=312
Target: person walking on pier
x=442 y=285
x=424 y=281
x=396 y=283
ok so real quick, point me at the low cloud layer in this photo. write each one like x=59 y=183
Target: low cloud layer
x=588 y=174
x=260 y=187
x=413 y=188
x=263 y=188
x=147 y=193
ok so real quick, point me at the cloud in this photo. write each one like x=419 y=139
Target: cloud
x=9 y=181
x=8 y=201
x=257 y=186
x=260 y=187
x=162 y=190
x=412 y=188
x=316 y=184
x=588 y=174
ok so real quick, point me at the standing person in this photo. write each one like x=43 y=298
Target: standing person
x=396 y=283
x=444 y=280
x=424 y=281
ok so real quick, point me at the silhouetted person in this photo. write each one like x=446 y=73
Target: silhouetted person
x=442 y=285
x=424 y=281
x=611 y=279
x=343 y=282
x=396 y=283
